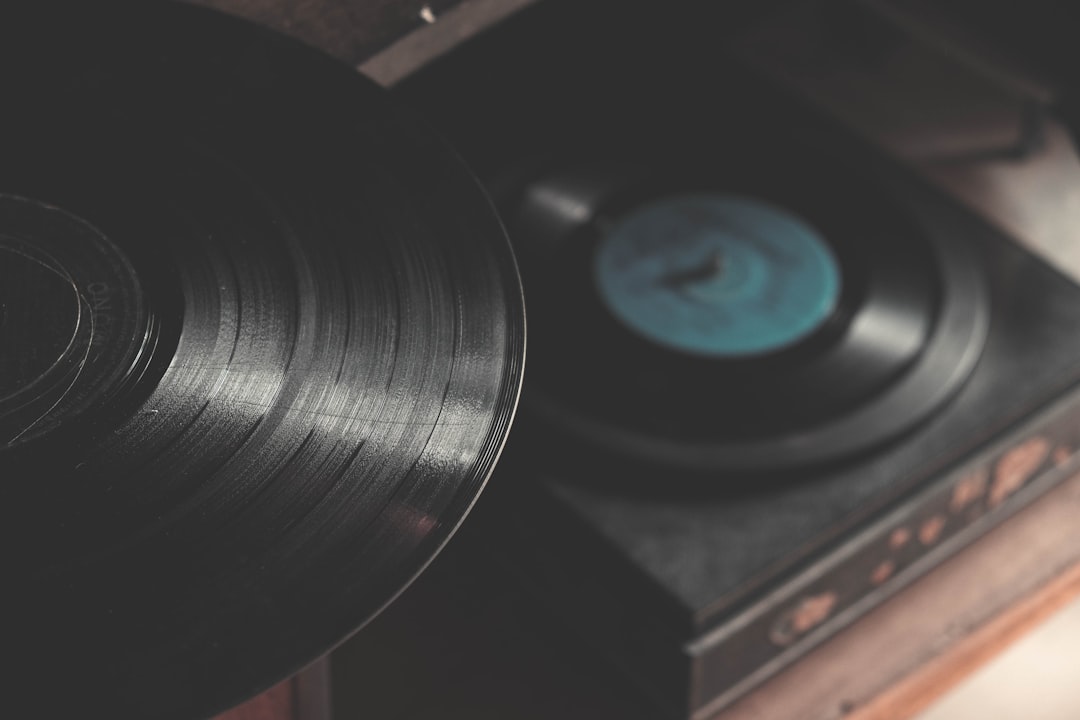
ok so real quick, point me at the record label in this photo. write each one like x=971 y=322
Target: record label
x=717 y=275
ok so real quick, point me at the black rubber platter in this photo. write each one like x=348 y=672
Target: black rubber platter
x=262 y=353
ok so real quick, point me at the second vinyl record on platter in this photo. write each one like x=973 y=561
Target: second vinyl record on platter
x=722 y=311
x=261 y=340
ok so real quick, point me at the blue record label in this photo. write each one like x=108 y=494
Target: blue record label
x=717 y=275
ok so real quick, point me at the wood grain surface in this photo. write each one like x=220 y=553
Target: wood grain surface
x=898 y=658
x=351 y=30
x=277 y=703
x=304 y=696
x=384 y=39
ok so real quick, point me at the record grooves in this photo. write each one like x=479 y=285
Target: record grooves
x=732 y=368
x=263 y=339
x=73 y=304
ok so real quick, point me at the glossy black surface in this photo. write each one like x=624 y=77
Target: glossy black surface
x=338 y=358
x=896 y=348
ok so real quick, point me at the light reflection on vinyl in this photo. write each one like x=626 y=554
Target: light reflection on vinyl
x=298 y=355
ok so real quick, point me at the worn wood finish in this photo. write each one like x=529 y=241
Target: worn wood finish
x=351 y=30
x=384 y=39
x=453 y=27
x=899 y=657
x=277 y=703
x=305 y=696
x=915 y=692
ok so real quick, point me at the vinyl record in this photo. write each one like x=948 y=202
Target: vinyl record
x=737 y=310
x=261 y=340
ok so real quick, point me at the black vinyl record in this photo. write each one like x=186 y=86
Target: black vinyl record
x=261 y=340
x=736 y=310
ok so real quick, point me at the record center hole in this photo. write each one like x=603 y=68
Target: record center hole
x=711 y=268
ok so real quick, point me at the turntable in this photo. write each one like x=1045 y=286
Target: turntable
x=261 y=340
x=776 y=376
